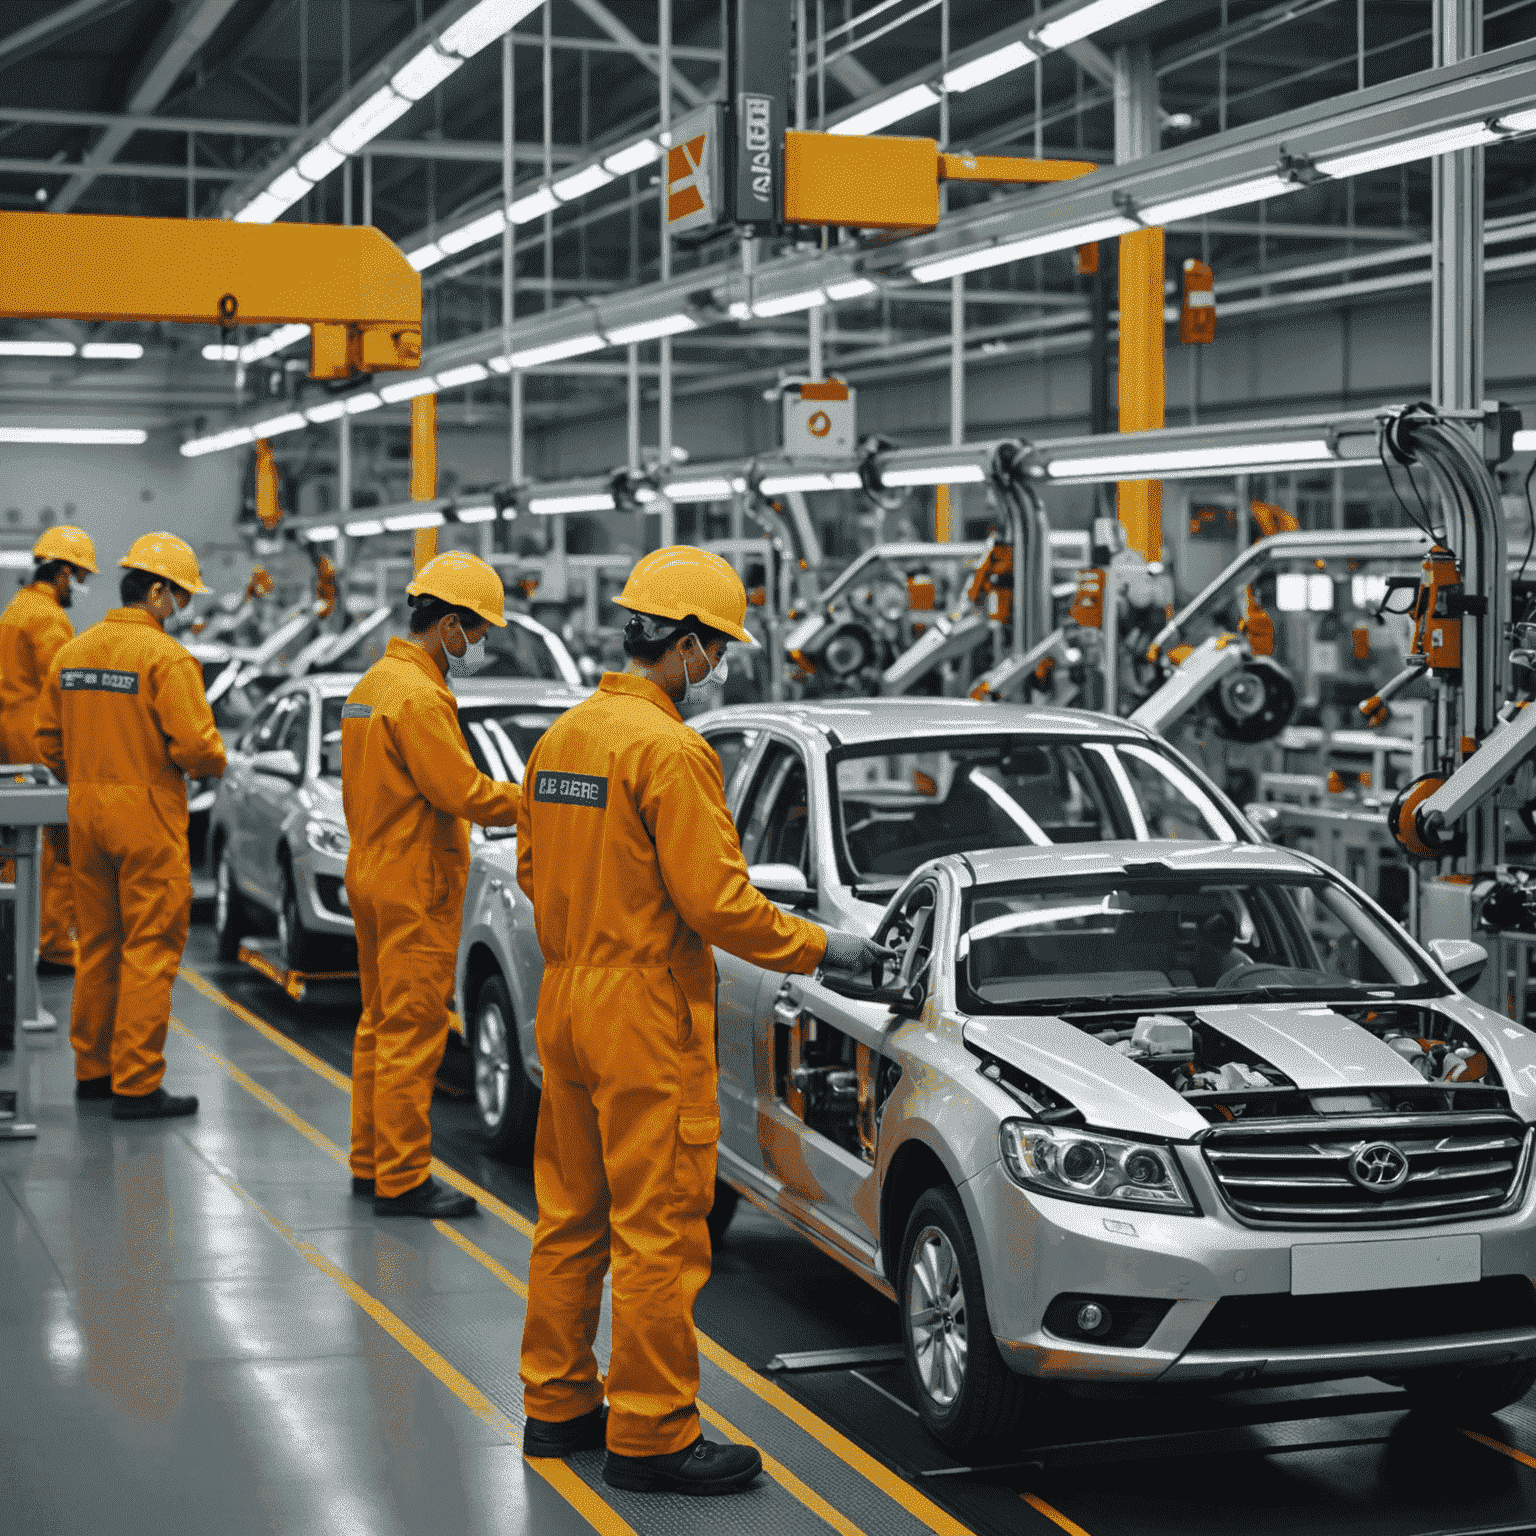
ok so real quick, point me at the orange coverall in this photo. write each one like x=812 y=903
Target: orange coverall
x=32 y=629
x=634 y=868
x=122 y=720
x=408 y=787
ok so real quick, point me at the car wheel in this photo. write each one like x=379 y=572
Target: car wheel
x=720 y=1213
x=299 y=948
x=231 y=922
x=966 y=1395
x=505 y=1098
x=1470 y=1392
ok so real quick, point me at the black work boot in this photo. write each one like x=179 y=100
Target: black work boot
x=703 y=1467
x=94 y=1087
x=362 y=1189
x=158 y=1105
x=55 y=968
x=429 y=1199
x=544 y=1437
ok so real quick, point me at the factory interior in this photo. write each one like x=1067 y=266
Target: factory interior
x=1121 y=418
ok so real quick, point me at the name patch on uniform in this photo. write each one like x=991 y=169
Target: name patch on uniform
x=357 y=711
x=97 y=680
x=571 y=789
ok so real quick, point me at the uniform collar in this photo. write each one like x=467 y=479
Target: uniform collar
x=640 y=688
x=130 y=616
x=45 y=589
x=403 y=650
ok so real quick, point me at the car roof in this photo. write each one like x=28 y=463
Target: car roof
x=852 y=722
x=997 y=865
x=518 y=690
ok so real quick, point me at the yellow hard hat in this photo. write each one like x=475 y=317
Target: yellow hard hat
x=464 y=580
x=163 y=554
x=681 y=581
x=66 y=542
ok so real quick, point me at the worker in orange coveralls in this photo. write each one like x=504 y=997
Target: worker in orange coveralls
x=123 y=720
x=32 y=629
x=634 y=868
x=410 y=789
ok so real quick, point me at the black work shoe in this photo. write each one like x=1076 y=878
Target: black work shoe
x=362 y=1189
x=158 y=1105
x=55 y=968
x=543 y=1437
x=429 y=1199
x=94 y=1087
x=703 y=1467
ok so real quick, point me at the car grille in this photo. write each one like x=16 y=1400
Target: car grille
x=1298 y=1173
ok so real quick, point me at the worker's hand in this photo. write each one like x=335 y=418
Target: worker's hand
x=853 y=952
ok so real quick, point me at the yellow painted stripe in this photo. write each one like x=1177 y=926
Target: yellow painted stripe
x=1500 y=1447
x=1055 y=1516
x=480 y=1256
x=894 y=1487
x=581 y=1497
x=498 y=1208
x=786 y=1479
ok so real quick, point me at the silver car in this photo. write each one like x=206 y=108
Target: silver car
x=278 y=836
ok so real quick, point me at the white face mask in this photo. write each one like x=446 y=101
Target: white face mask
x=704 y=691
x=473 y=659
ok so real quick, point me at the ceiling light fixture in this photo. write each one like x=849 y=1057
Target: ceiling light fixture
x=833 y=480
x=367 y=401
x=549 y=506
x=322 y=534
x=476 y=514
x=232 y=437
x=651 y=330
x=1525 y=442
x=1087 y=19
x=456 y=378
x=37 y=349
x=364 y=527
x=487 y=227
x=633 y=157
x=703 y=490
x=935 y=474
x=1201 y=203
x=851 y=288
x=425 y=256
x=990 y=66
x=95 y=437
x=291 y=421
x=1443 y=141
x=534 y=206
x=789 y=303
x=407 y=389
x=328 y=411
x=404 y=522
x=588 y=179
x=114 y=351
x=1017 y=250
x=254 y=351
x=882 y=114
x=556 y=351
x=1519 y=122
x=1176 y=463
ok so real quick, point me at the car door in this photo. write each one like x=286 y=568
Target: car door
x=239 y=782
x=272 y=796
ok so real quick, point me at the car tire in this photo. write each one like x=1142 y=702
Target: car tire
x=967 y=1397
x=506 y=1101
x=720 y=1213
x=300 y=949
x=231 y=920
x=1469 y=1392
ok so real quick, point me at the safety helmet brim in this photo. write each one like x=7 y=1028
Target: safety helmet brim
x=677 y=614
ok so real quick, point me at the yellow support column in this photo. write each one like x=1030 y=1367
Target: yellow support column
x=941 y=515
x=1143 y=382
x=423 y=470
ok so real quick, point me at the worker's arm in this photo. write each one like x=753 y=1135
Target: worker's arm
x=180 y=708
x=46 y=642
x=428 y=738
x=683 y=807
x=48 y=724
x=525 y=830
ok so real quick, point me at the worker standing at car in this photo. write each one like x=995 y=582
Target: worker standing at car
x=33 y=628
x=409 y=789
x=123 y=720
x=634 y=868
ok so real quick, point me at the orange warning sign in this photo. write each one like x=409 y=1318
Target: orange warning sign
x=692 y=173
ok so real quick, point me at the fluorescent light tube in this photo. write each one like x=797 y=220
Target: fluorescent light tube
x=575 y=346
x=850 y=288
x=1367 y=591
x=484 y=24
x=935 y=474
x=588 y=179
x=364 y=527
x=650 y=330
x=1525 y=442
x=1291 y=592
x=1201 y=203
x=121 y=351
x=15 y=560
x=534 y=206
x=1001 y=61
x=596 y=501
x=1443 y=142
x=789 y=303
x=486 y=227
x=322 y=534
x=456 y=378
x=409 y=520
x=275 y=341
x=320 y=161
x=37 y=349
x=329 y=411
x=425 y=256
x=1187 y=461
x=290 y=421
x=476 y=514
x=836 y=480
x=233 y=437
x=881 y=114
x=407 y=389
x=96 y=437
x=367 y=401
x=633 y=157
x=289 y=187
x=262 y=209
x=215 y=353
x=1090 y=18
x=1519 y=122
x=499 y=365
x=699 y=490
x=367 y=122
x=421 y=74
x=1017 y=250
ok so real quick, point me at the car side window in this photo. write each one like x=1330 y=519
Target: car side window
x=269 y=732
x=909 y=931
x=295 y=730
x=251 y=740
x=775 y=817
x=732 y=748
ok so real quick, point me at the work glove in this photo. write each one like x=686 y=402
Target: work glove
x=853 y=952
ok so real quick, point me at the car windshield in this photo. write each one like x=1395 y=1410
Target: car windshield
x=518 y=652
x=896 y=810
x=501 y=736
x=330 y=735
x=1113 y=938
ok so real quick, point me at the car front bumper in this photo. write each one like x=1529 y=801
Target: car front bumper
x=320 y=884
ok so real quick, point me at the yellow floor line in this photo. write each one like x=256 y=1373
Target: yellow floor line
x=890 y=1483
x=480 y=1256
x=1055 y=1516
x=1500 y=1447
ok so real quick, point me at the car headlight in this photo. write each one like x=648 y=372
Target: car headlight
x=1082 y=1165
x=327 y=837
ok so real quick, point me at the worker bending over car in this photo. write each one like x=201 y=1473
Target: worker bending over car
x=33 y=628
x=634 y=868
x=409 y=789
x=123 y=720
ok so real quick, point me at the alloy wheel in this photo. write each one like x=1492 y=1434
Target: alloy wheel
x=221 y=881
x=936 y=1316
x=493 y=1065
